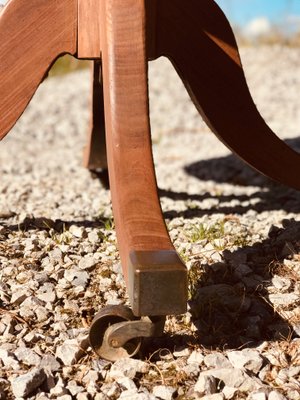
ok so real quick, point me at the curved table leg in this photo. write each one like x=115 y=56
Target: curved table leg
x=200 y=43
x=95 y=151
x=156 y=277
x=36 y=32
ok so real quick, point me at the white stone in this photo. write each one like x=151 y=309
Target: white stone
x=229 y=392
x=217 y=360
x=284 y=299
x=69 y=352
x=127 y=383
x=281 y=283
x=25 y=384
x=127 y=367
x=27 y=356
x=235 y=378
x=74 y=388
x=274 y=395
x=134 y=395
x=216 y=396
x=59 y=389
x=206 y=384
x=77 y=231
x=87 y=263
x=247 y=358
x=257 y=396
x=164 y=392
x=91 y=376
x=8 y=359
x=50 y=363
x=83 y=396
x=181 y=352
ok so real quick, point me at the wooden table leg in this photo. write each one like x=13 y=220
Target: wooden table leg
x=156 y=277
x=95 y=151
x=198 y=39
x=36 y=32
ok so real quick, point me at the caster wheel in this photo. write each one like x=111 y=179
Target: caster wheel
x=104 y=319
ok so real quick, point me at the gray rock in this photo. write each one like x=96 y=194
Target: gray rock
x=126 y=383
x=217 y=360
x=69 y=352
x=56 y=254
x=74 y=388
x=128 y=368
x=25 y=384
x=216 y=396
x=181 y=352
x=91 y=376
x=247 y=358
x=274 y=395
x=87 y=263
x=284 y=299
x=27 y=356
x=77 y=277
x=281 y=283
x=235 y=378
x=8 y=359
x=59 y=389
x=83 y=396
x=206 y=384
x=164 y=392
x=229 y=392
x=46 y=293
x=77 y=231
x=93 y=237
x=18 y=296
x=50 y=363
x=134 y=395
x=257 y=396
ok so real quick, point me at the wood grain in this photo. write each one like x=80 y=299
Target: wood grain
x=137 y=213
x=88 y=29
x=32 y=35
x=198 y=39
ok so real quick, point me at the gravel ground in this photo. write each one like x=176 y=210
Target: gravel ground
x=238 y=233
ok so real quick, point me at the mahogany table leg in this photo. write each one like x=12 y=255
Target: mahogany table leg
x=36 y=32
x=95 y=151
x=200 y=43
x=156 y=277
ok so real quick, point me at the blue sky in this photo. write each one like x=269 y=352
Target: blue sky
x=243 y=11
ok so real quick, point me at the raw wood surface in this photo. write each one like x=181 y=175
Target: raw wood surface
x=88 y=29
x=32 y=35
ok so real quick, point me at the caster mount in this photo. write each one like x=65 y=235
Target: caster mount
x=116 y=333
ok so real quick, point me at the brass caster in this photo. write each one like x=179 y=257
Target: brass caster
x=116 y=333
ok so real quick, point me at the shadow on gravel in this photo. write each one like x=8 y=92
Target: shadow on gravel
x=232 y=170
x=58 y=225
x=230 y=304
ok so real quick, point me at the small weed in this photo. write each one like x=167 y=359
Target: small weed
x=194 y=275
x=61 y=238
x=217 y=234
x=184 y=256
x=209 y=233
x=107 y=222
